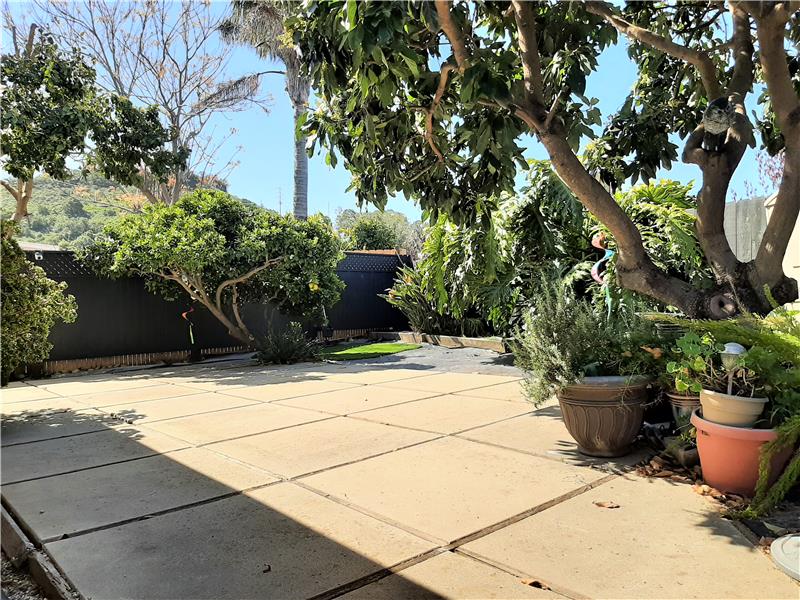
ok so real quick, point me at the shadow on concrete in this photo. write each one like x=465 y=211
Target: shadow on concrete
x=122 y=520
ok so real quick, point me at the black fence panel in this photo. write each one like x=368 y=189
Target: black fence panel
x=120 y=317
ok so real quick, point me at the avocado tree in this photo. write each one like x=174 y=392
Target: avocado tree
x=223 y=252
x=431 y=99
x=54 y=119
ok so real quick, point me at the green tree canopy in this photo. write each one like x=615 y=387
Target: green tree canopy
x=223 y=252
x=435 y=99
x=52 y=114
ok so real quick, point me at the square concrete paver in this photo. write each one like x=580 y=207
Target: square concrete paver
x=446 y=414
x=541 y=432
x=95 y=384
x=43 y=424
x=22 y=392
x=287 y=389
x=74 y=502
x=449 y=488
x=356 y=399
x=235 y=423
x=452 y=576
x=277 y=542
x=373 y=375
x=314 y=446
x=450 y=383
x=168 y=408
x=38 y=408
x=109 y=445
x=131 y=395
x=664 y=541
x=511 y=391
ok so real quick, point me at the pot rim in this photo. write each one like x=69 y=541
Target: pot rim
x=749 y=434
x=734 y=397
x=612 y=381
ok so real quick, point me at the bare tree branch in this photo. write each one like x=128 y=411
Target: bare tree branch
x=452 y=32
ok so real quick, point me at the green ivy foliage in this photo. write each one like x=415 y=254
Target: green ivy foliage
x=213 y=237
x=31 y=304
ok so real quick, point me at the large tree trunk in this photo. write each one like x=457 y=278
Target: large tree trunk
x=300 y=199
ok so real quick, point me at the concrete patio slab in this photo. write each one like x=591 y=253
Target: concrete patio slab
x=543 y=433
x=95 y=384
x=111 y=444
x=314 y=446
x=169 y=408
x=131 y=395
x=664 y=541
x=452 y=576
x=446 y=414
x=450 y=383
x=76 y=502
x=276 y=542
x=372 y=375
x=22 y=428
x=22 y=392
x=235 y=423
x=356 y=399
x=511 y=392
x=286 y=389
x=41 y=407
x=449 y=488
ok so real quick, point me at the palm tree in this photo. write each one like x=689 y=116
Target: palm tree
x=259 y=23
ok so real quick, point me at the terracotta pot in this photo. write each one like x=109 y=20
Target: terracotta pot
x=682 y=407
x=729 y=455
x=734 y=411
x=604 y=414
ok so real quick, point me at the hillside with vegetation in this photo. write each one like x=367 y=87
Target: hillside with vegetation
x=69 y=213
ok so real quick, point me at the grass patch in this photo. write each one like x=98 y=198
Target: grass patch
x=364 y=351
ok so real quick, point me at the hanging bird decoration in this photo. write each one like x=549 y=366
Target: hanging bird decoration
x=717 y=119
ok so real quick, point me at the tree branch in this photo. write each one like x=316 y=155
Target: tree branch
x=9 y=189
x=452 y=32
x=742 y=43
x=529 y=52
x=241 y=279
x=429 y=112
x=701 y=60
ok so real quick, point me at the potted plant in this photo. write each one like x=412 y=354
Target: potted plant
x=741 y=441
x=730 y=389
x=598 y=364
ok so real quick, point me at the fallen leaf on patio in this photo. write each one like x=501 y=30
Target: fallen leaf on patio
x=604 y=504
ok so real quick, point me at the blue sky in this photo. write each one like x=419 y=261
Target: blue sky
x=265 y=142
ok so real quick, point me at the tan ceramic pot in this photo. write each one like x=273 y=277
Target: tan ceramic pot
x=733 y=411
x=604 y=414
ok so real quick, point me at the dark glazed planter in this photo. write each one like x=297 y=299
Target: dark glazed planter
x=604 y=414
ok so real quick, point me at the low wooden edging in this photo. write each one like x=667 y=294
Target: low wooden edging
x=22 y=553
x=496 y=344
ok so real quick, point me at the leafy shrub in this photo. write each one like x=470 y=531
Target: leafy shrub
x=223 y=253
x=373 y=234
x=564 y=338
x=287 y=347
x=31 y=304
x=410 y=297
